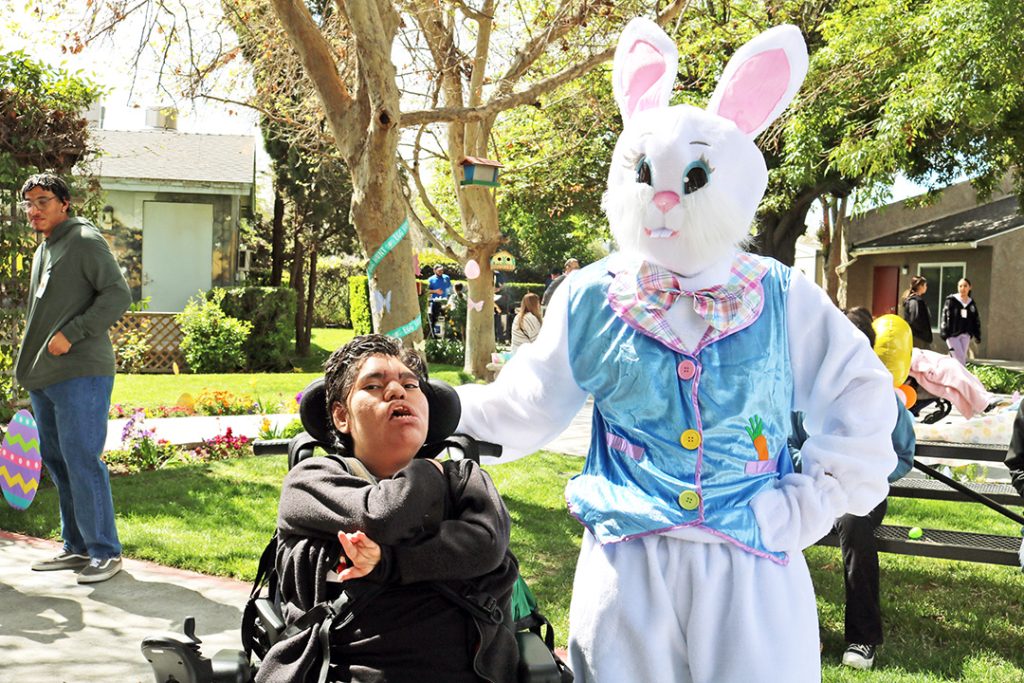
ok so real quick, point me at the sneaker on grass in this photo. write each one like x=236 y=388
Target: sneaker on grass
x=100 y=570
x=859 y=656
x=66 y=560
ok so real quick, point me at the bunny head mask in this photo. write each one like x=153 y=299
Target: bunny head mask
x=685 y=182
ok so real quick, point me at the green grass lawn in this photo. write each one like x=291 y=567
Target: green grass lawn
x=274 y=389
x=945 y=621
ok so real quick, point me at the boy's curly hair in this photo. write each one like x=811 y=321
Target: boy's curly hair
x=343 y=366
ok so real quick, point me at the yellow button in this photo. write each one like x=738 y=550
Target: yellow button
x=689 y=500
x=690 y=439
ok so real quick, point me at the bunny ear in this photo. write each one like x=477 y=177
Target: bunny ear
x=761 y=79
x=644 y=68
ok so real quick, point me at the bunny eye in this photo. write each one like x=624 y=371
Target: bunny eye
x=643 y=171
x=697 y=176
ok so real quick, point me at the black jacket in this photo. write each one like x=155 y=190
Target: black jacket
x=1015 y=454
x=915 y=312
x=432 y=527
x=954 y=322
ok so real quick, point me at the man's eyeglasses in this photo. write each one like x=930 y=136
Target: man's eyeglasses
x=40 y=203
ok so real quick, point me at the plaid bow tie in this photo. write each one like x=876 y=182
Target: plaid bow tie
x=719 y=305
x=640 y=295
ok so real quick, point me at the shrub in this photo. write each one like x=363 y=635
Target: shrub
x=428 y=258
x=447 y=351
x=998 y=380
x=359 y=304
x=212 y=341
x=271 y=310
x=269 y=431
x=132 y=348
x=331 y=307
x=512 y=293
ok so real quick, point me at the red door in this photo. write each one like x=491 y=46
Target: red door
x=885 y=290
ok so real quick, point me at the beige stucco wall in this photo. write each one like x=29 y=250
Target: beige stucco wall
x=1004 y=334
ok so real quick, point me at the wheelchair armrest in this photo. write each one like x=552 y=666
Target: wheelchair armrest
x=301 y=447
x=231 y=666
x=536 y=664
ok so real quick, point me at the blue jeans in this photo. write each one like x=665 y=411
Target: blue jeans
x=72 y=418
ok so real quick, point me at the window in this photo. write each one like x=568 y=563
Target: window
x=942 y=279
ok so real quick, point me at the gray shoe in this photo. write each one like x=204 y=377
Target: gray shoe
x=65 y=560
x=100 y=570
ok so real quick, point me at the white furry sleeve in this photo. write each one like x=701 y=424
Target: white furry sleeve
x=846 y=395
x=535 y=396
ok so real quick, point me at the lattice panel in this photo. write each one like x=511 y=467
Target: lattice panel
x=164 y=339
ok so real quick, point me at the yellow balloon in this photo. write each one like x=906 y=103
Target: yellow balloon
x=893 y=344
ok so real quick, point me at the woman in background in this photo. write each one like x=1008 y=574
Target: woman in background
x=916 y=313
x=526 y=324
x=960 y=321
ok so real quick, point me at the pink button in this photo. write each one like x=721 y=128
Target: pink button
x=687 y=369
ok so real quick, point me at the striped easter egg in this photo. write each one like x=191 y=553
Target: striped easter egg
x=20 y=461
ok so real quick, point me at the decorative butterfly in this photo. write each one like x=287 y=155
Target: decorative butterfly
x=382 y=301
x=478 y=305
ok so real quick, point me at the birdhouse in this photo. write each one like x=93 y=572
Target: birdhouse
x=502 y=260
x=477 y=171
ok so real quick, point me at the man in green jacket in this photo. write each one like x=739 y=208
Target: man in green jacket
x=66 y=362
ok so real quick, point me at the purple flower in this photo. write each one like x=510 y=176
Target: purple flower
x=298 y=397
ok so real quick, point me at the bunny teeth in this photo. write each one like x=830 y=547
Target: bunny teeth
x=660 y=233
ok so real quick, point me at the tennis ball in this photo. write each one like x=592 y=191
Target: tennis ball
x=915 y=533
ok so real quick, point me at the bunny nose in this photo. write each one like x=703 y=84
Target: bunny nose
x=665 y=201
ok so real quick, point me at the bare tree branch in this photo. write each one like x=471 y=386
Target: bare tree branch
x=530 y=94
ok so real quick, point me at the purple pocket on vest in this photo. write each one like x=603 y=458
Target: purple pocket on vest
x=762 y=466
x=620 y=444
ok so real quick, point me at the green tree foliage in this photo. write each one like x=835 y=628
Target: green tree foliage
x=557 y=165
x=359 y=304
x=41 y=128
x=271 y=311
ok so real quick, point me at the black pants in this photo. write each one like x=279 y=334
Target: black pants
x=860 y=561
x=436 y=306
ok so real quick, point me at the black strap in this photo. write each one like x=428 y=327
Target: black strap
x=481 y=606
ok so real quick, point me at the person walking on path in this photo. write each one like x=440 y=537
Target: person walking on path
x=440 y=286
x=960 y=322
x=66 y=362
x=916 y=313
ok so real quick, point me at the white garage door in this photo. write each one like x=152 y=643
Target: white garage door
x=177 y=253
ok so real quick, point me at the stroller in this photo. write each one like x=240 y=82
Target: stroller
x=177 y=657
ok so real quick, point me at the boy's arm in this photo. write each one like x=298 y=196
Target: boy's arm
x=319 y=498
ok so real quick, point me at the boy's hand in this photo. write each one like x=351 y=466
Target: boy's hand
x=363 y=555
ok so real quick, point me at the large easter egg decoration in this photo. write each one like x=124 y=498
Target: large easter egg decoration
x=894 y=344
x=20 y=461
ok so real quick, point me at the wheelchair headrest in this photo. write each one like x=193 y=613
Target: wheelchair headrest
x=445 y=411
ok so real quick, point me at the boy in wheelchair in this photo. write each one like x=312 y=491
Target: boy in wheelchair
x=422 y=524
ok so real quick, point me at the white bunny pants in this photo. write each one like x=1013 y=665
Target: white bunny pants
x=661 y=609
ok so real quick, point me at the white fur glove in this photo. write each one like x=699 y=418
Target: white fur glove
x=799 y=510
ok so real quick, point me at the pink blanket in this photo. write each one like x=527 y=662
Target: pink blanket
x=945 y=377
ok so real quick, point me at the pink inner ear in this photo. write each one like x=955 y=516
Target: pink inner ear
x=755 y=89
x=645 y=66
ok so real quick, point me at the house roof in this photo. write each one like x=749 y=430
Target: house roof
x=163 y=155
x=963 y=229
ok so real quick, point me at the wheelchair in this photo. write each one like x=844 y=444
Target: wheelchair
x=178 y=657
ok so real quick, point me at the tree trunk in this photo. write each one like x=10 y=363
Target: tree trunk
x=480 y=324
x=277 y=241
x=307 y=333
x=298 y=284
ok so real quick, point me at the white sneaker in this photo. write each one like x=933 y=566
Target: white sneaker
x=859 y=656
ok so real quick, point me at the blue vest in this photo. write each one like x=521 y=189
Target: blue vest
x=679 y=439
